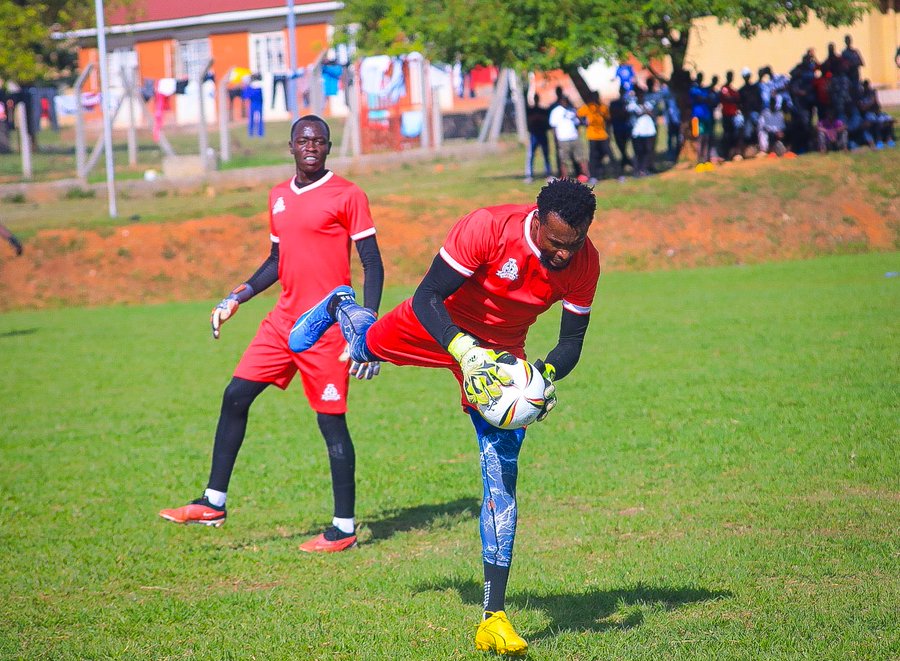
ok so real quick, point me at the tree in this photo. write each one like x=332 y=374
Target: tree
x=27 y=51
x=568 y=34
x=656 y=29
x=29 y=54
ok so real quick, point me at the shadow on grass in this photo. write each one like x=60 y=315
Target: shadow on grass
x=597 y=610
x=385 y=524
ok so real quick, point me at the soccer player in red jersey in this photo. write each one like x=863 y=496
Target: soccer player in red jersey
x=313 y=217
x=499 y=268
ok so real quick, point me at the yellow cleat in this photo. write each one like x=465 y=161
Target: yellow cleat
x=496 y=634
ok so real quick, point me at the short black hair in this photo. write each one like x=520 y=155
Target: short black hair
x=570 y=200
x=311 y=118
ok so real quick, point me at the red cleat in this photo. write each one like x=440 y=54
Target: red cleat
x=197 y=511
x=330 y=541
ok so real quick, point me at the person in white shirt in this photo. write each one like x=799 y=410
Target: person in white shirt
x=643 y=133
x=564 y=123
x=771 y=129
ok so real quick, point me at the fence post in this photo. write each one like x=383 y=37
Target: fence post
x=24 y=141
x=224 y=116
x=203 y=139
x=129 y=82
x=80 y=142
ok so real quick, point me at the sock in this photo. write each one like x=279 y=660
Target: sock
x=216 y=498
x=346 y=526
x=495 y=578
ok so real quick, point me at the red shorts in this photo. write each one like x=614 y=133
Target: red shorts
x=326 y=378
x=399 y=338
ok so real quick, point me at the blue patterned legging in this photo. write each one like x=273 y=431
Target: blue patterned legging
x=499 y=453
x=499 y=470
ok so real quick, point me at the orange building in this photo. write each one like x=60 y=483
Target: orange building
x=176 y=39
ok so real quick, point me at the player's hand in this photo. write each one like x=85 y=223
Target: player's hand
x=365 y=370
x=482 y=376
x=226 y=308
x=549 y=373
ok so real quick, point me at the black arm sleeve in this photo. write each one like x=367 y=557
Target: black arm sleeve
x=564 y=356
x=373 y=271
x=428 y=301
x=267 y=274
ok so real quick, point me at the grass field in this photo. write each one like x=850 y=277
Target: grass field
x=449 y=188
x=721 y=480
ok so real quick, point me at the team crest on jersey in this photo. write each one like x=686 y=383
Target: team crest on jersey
x=509 y=271
x=278 y=206
x=331 y=394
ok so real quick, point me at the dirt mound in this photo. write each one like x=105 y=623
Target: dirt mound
x=203 y=259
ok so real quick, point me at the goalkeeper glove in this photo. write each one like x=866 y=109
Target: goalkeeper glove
x=228 y=306
x=549 y=373
x=365 y=370
x=482 y=376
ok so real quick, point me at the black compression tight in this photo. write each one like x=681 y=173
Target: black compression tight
x=239 y=395
x=342 y=458
x=236 y=401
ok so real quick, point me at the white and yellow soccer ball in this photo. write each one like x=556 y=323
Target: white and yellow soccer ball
x=521 y=401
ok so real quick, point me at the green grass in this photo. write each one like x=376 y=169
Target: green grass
x=447 y=189
x=720 y=480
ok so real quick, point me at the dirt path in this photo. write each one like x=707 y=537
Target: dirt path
x=202 y=259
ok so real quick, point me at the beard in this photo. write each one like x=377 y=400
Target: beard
x=545 y=262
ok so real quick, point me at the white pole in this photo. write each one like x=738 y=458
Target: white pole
x=224 y=116
x=80 y=147
x=104 y=104
x=24 y=140
x=292 y=58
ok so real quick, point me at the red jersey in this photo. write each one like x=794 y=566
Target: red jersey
x=506 y=285
x=313 y=227
x=730 y=99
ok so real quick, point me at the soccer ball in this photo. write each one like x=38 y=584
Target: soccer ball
x=521 y=401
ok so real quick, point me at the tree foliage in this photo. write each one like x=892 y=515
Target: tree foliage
x=27 y=51
x=567 y=34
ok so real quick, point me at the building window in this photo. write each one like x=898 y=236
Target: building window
x=193 y=56
x=118 y=59
x=267 y=53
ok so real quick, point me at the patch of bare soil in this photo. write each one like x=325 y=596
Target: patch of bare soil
x=205 y=258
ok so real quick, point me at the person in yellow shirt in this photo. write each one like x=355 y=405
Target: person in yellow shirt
x=595 y=114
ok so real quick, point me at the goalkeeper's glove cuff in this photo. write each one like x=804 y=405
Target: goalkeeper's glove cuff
x=242 y=293
x=547 y=370
x=460 y=345
x=549 y=373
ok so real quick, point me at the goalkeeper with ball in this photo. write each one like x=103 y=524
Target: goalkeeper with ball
x=499 y=268
x=313 y=218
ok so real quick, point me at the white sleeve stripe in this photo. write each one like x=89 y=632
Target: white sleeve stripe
x=577 y=309
x=363 y=234
x=274 y=238
x=456 y=266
